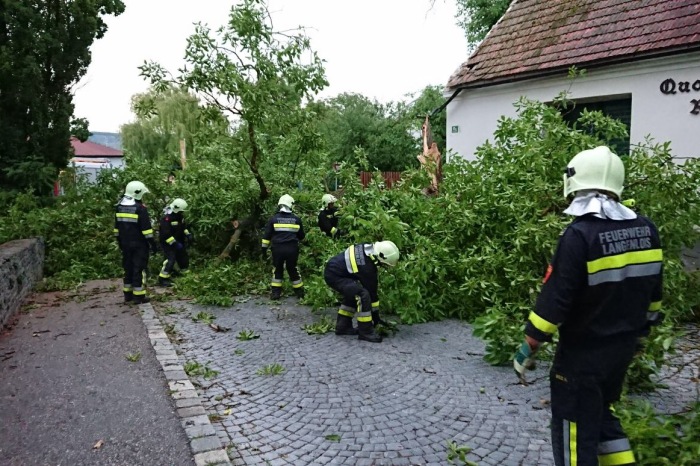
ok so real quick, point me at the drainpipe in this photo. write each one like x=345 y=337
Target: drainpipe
x=447 y=102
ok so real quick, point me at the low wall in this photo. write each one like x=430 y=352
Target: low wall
x=21 y=267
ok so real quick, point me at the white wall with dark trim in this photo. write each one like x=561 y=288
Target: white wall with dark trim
x=661 y=106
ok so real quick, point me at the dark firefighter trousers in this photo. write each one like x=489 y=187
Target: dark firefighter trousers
x=135 y=262
x=585 y=381
x=356 y=299
x=173 y=256
x=285 y=254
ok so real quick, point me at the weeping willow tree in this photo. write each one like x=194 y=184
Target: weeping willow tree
x=163 y=119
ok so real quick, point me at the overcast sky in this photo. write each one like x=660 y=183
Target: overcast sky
x=383 y=49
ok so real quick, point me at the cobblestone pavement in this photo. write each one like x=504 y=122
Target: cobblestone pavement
x=344 y=401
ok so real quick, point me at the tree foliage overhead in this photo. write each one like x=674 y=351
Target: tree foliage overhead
x=44 y=51
x=477 y=17
x=259 y=79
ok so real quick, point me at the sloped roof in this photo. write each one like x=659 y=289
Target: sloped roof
x=91 y=149
x=538 y=37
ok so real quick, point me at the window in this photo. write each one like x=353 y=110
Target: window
x=618 y=107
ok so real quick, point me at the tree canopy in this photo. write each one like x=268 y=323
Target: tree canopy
x=477 y=17
x=259 y=78
x=44 y=51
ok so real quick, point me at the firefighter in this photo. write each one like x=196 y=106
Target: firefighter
x=602 y=292
x=353 y=274
x=174 y=239
x=134 y=232
x=328 y=217
x=282 y=234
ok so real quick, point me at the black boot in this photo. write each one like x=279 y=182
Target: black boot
x=276 y=293
x=299 y=292
x=366 y=332
x=343 y=326
x=128 y=296
x=141 y=299
x=164 y=282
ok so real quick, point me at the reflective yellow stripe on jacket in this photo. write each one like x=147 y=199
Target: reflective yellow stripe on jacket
x=630 y=264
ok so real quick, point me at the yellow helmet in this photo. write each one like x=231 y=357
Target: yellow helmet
x=136 y=189
x=595 y=168
x=386 y=252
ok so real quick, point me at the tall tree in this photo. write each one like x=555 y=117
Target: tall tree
x=258 y=77
x=163 y=119
x=477 y=17
x=44 y=51
x=352 y=125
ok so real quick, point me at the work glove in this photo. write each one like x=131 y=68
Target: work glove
x=190 y=238
x=178 y=245
x=154 y=248
x=263 y=253
x=524 y=360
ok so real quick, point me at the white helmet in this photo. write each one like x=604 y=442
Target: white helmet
x=327 y=199
x=386 y=252
x=178 y=205
x=136 y=189
x=595 y=168
x=287 y=201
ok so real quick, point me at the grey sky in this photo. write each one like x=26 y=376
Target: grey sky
x=382 y=49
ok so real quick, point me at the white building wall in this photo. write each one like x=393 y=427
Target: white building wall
x=666 y=117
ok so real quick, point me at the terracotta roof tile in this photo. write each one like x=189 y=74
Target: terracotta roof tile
x=92 y=149
x=551 y=35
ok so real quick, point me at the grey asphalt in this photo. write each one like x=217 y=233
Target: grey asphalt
x=342 y=401
x=65 y=385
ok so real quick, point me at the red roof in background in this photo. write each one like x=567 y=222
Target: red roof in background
x=91 y=149
x=537 y=37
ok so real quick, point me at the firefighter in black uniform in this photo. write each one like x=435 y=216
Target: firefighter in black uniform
x=134 y=232
x=282 y=234
x=602 y=292
x=353 y=274
x=328 y=217
x=174 y=239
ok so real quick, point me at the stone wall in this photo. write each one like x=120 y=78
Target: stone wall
x=21 y=267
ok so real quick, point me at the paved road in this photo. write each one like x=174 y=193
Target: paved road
x=343 y=401
x=65 y=385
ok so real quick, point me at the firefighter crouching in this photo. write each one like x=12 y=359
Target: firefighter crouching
x=174 y=239
x=134 y=232
x=602 y=292
x=353 y=274
x=282 y=234
x=328 y=217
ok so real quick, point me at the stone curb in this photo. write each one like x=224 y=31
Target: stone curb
x=204 y=443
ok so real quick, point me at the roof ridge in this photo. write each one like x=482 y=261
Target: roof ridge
x=535 y=33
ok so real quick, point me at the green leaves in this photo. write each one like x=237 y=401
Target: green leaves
x=324 y=325
x=669 y=439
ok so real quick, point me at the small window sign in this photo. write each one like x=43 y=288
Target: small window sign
x=455 y=129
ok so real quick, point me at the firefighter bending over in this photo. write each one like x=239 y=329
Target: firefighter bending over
x=353 y=274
